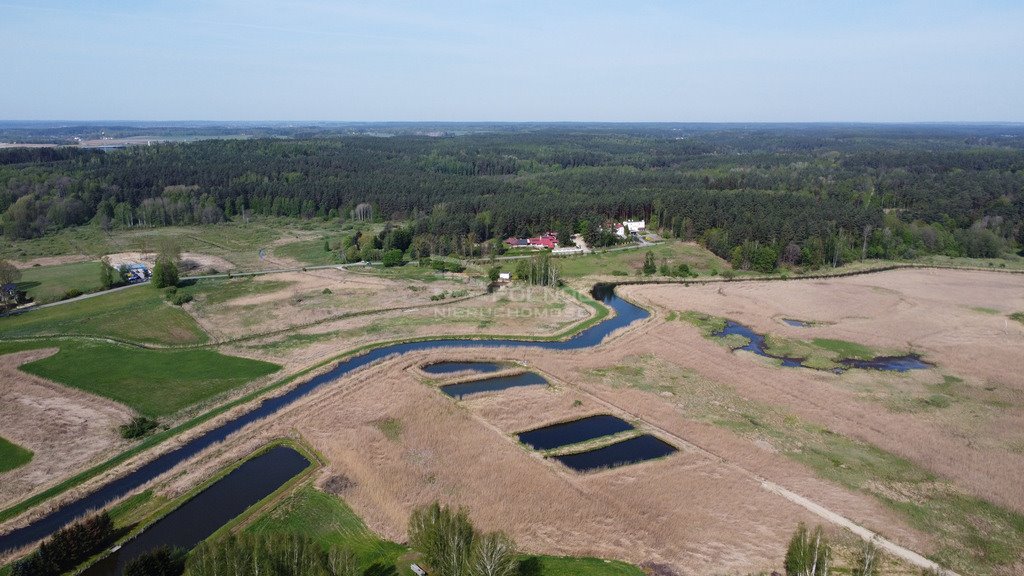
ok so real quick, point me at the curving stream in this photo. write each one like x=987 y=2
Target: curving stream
x=625 y=314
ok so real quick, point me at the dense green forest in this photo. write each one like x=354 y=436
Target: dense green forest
x=807 y=195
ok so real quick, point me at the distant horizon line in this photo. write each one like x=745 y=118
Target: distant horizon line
x=620 y=122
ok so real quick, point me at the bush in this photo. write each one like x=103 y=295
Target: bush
x=728 y=274
x=180 y=299
x=326 y=291
x=393 y=258
x=809 y=554
x=67 y=548
x=165 y=273
x=72 y=293
x=138 y=427
x=160 y=562
x=450 y=545
x=277 y=555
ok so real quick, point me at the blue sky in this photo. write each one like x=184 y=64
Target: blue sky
x=367 y=60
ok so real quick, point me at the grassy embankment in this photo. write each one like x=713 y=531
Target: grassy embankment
x=973 y=536
x=46 y=284
x=12 y=456
x=328 y=520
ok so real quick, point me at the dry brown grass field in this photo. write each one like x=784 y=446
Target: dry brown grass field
x=536 y=312
x=67 y=429
x=945 y=315
x=736 y=418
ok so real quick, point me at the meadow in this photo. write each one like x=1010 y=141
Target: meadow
x=46 y=284
x=137 y=314
x=155 y=383
x=12 y=456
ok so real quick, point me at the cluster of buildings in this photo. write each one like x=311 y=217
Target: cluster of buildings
x=547 y=240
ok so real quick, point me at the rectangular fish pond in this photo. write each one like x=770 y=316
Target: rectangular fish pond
x=573 y=432
x=195 y=520
x=451 y=367
x=636 y=449
x=495 y=384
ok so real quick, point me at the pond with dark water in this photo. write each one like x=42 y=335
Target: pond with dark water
x=755 y=344
x=195 y=520
x=573 y=432
x=890 y=363
x=495 y=384
x=887 y=363
x=631 y=451
x=626 y=313
x=451 y=367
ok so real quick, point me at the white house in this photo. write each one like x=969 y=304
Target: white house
x=630 y=226
x=635 y=225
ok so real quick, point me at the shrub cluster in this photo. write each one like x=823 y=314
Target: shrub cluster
x=253 y=555
x=450 y=545
x=68 y=548
x=162 y=561
x=442 y=265
x=138 y=427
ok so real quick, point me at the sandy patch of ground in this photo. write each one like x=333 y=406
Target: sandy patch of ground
x=191 y=263
x=51 y=261
x=67 y=429
x=933 y=312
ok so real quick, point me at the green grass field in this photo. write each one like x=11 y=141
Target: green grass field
x=49 y=283
x=628 y=262
x=328 y=520
x=236 y=242
x=221 y=290
x=12 y=456
x=153 y=382
x=138 y=314
x=309 y=252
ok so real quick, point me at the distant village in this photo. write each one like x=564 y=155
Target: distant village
x=626 y=230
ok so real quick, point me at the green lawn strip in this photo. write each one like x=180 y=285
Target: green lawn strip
x=160 y=437
x=574 y=566
x=327 y=519
x=137 y=314
x=155 y=383
x=12 y=456
x=50 y=283
x=221 y=290
x=309 y=252
x=604 y=263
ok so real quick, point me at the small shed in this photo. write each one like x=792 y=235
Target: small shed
x=417 y=570
x=504 y=276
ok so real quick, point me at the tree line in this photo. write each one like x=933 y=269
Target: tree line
x=815 y=196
